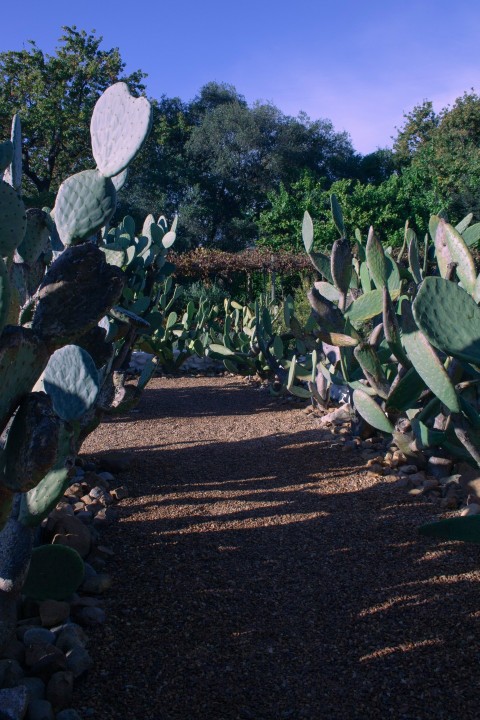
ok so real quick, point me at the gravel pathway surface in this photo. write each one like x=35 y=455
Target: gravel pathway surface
x=262 y=574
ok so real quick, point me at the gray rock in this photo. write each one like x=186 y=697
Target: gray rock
x=70 y=531
x=68 y=714
x=60 y=689
x=14 y=650
x=44 y=660
x=71 y=636
x=53 y=612
x=78 y=661
x=417 y=478
x=90 y=571
x=439 y=467
x=35 y=688
x=91 y=616
x=84 y=516
x=40 y=710
x=104 y=552
x=13 y=703
x=11 y=673
x=98 y=563
x=108 y=477
x=97 y=493
x=122 y=492
x=103 y=518
x=39 y=635
x=408 y=469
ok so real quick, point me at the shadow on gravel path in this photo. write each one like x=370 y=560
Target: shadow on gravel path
x=260 y=574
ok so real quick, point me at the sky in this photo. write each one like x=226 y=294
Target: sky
x=362 y=65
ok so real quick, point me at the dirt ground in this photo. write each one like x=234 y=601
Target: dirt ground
x=260 y=573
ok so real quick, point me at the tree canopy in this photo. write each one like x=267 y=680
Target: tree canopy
x=55 y=96
x=238 y=174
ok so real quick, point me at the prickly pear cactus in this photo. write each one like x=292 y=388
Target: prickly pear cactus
x=64 y=314
x=120 y=124
x=85 y=203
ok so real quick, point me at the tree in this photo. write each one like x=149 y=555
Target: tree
x=55 y=96
x=442 y=152
x=417 y=131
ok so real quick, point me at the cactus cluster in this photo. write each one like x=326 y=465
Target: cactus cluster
x=407 y=336
x=58 y=285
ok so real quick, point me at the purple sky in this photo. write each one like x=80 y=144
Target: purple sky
x=361 y=64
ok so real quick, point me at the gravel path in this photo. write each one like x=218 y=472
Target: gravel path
x=261 y=573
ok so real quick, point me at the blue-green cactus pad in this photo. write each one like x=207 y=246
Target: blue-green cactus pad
x=85 y=202
x=449 y=317
x=13 y=173
x=127 y=316
x=119 y=126
x=71 y=380
x=13 y=219
x=36 y=239
x=5 y=293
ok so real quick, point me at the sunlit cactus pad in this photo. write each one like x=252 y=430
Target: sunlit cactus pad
x=71 y=380
x=119 y=126
x=449 y=317
x=85 y=202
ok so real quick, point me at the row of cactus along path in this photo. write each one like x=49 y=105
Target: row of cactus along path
x=261 y=573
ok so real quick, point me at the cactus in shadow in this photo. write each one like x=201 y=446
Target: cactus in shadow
x=42 y=317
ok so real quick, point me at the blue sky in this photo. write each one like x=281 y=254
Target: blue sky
x=360 y=64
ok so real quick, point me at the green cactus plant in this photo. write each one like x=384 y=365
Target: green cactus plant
x=55 y=573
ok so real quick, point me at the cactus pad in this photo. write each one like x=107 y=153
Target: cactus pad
x=371 y=412
x=120 y=180
x=426 y=361
x=64 y=314
x=376 y=260
x=341 y=264
x=71 y=380
x=85 y=202
x=307 y=232
x=13 y=173
x=31 y=447
x=38 y=502
x=36 y=239
x=23 y=357
x=5 y=294
x=6 y=155
x=119 y=126
x=449 y=317
x=55 y=573
x=13 y=220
